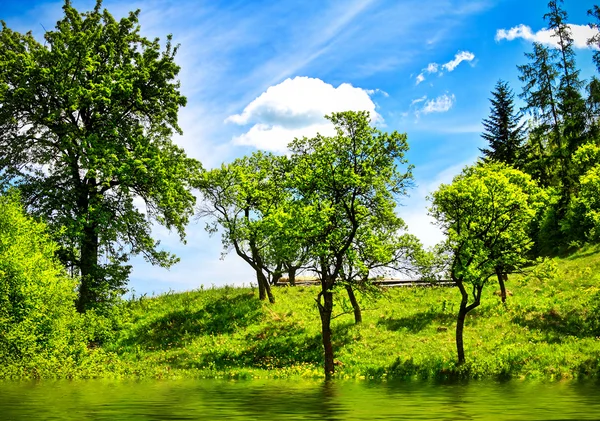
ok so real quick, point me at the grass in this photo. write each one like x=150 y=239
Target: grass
x=549 y=329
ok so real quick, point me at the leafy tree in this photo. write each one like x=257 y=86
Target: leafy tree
x=381 y=246
x=243 y=198
x=485 y=214
x=341 y=183
x=36 y=295
x=503 y=131
x=85 y=127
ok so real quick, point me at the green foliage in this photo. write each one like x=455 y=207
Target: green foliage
x=486 y=214
x=38 y=321
x=85 y=125
x=503 y=131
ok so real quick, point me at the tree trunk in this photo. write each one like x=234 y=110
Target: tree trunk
x=355 y=306
x=325 y=311
x=88 y=267
x=262 y=292
x=264 y=288
x=462 y=313
x=460 y=323
x=500 y=276
x=292 y=276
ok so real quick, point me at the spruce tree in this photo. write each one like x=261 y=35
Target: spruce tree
x=503 y=130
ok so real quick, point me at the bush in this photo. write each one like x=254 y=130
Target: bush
x=38 y=321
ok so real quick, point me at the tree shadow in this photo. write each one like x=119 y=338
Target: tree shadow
x=277 y=345
x=558 y=326
x=173 y=330
x=417 y=322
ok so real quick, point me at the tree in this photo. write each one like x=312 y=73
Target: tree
x=244 y=198
x=540 y=96
x=380 y=246
x=503 y=131
x=341 y=182
x=36 y=295
x=485 y=213
x=571 y=103
x=85 y=127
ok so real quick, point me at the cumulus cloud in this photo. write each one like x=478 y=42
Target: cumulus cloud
x=296 y=108
x=449 y=66
x=580 y=34
x=441 y=104
x=458 y=58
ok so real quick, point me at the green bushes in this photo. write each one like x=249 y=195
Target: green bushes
x=39 y=327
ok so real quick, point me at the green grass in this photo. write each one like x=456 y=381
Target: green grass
x=549 y=329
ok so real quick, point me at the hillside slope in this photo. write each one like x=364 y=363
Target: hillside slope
x=550 y=328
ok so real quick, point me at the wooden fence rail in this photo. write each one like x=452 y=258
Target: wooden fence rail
x=387 y=283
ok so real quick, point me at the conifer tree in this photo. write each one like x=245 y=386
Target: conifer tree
x=503 y=130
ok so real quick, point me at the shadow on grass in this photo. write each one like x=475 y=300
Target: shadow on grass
x=223 y=315
x=277 y=345
x=557 y=326
x=417 y=322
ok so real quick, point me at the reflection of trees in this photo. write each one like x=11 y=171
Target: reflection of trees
x=300 y=399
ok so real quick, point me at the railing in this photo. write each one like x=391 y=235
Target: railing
x=387 y=282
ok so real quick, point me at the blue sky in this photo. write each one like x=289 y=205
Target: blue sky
x=258 y=73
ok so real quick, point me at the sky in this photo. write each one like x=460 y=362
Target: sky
x=258 y=73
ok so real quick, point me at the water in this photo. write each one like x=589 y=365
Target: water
x=297 y=400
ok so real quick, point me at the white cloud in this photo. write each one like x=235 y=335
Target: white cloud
x=580 y=34
x=441 y=104
x=458 y=58
x=450 y=66
x=432 y=68
x=295 y=108
x=416 y=101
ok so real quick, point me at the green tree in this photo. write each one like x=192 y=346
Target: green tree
x=341 y=183
x=36 y=295
x=571 y=103
x=545 y=143
x=85 y=127
x=504 y=132
x=485 y=213
x=381 y=246
x=243 y=199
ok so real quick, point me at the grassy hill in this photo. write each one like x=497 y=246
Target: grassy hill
x=549 y=328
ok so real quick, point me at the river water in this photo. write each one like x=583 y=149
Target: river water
x=297 y=400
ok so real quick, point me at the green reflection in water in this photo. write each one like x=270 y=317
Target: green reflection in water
x=297 y=400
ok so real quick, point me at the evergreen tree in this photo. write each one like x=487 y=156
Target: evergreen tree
x=571 y=104
x=503 y=130
x=540 y=95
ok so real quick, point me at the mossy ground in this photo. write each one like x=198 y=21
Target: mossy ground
x=549 y=328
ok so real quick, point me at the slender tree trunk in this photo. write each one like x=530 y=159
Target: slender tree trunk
x=460 y=322
x=500 y=276
x=264 y=288
x=262 y=291
x=462 y=314
x=355 y=305
x=325 y=311
x=292 y=276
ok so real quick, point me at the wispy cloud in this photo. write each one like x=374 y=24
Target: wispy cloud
x=441 y=104
x=580 y=34
x=458 y=58
x=449 y=66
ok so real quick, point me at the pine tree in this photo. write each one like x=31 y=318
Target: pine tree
x=503 y=130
